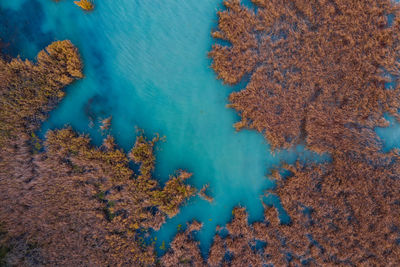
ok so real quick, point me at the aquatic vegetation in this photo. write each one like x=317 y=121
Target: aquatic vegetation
x=317 y=76
x=95 y=193
x=173 y=194
x=184 y=250
x=106 y=123
x=28 y=91
x=348 y=212
x=142 y=154
x=217 y=251
x=65 y=201
x=317 y=72
x=237 y=243
x=85 y=4
x=202 y=193
x=3 y=246
x=300 y=57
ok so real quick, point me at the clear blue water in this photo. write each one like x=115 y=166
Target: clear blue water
x=146 y=65
x=390 y=136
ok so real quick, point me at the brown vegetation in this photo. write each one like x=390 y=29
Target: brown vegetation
x=314 y=65
x=317 y=76
x=239 y=241
x=351 y=212
x=106 y=123
x=63 y=201
x=184 y=249
x=84 y=204
x=85 y=4
x=28 y=90
x=202 y=193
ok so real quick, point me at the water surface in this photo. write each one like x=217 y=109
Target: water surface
x=146 y=65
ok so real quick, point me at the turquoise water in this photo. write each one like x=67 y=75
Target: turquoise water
x=146 y=65
x=390 y=135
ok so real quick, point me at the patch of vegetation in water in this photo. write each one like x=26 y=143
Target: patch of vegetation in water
x=80 y=203
x=319 y=72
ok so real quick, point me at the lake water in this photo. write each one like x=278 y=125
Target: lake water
x=146 y=65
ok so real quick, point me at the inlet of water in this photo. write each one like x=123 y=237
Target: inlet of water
x=146 y=65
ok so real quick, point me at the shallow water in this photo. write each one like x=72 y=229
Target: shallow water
x=390 y=135
x=146 y=65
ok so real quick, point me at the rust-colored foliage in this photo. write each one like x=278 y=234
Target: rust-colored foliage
x=28 y=91
x=184 y=249
x=71 y=203
x=85 y=4
x=87 y=203
x=239 y=240
x=92 y=195
x=315 y=66
x=106 y=123
x=337 y=219
x=317 y=76
x=351 y=209
x=203 y=193
x=217 y=251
